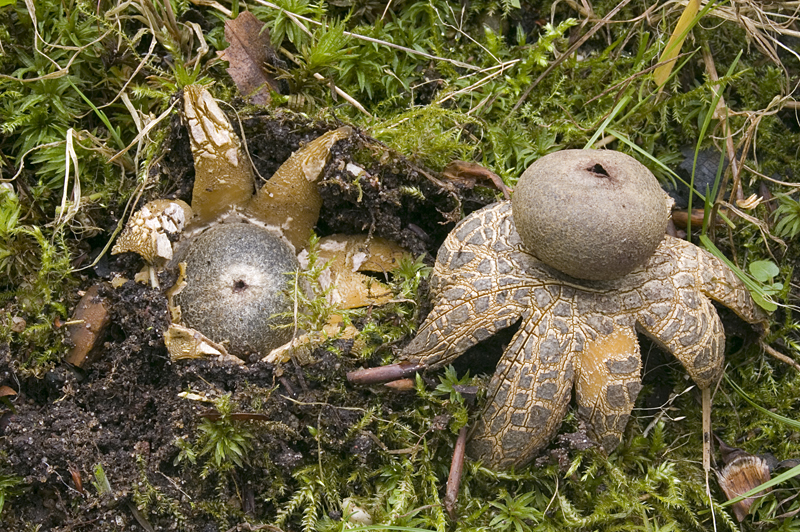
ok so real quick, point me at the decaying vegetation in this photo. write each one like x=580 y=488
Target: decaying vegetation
x=90 y=130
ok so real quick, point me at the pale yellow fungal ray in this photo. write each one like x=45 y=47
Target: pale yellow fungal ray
x=223 y=174
x=347 y=256
x=149 y=230
x=290 y=199
x=184 y=342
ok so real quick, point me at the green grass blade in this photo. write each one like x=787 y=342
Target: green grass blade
x=703 y=130
x=761 y=298
x=619 y=107
x=100 y=114
x=777 y=417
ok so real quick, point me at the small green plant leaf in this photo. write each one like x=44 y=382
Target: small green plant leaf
x=101 y=482
x=763 y=270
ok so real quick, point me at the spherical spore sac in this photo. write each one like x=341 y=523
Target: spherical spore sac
x=592 y=214
x=236 y=281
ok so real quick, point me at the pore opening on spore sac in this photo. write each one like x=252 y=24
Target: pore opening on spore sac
x=598 y=169
x=239 y=286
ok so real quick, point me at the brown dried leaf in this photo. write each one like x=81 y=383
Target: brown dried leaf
x=740 y=476
x=250 y=49
x=5 y=391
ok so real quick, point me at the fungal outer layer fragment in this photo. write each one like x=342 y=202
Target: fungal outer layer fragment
x=224 y=180
x=608 y=382
x=151 y=229
x=347 y=256
x=184 y=342
x=223 y=174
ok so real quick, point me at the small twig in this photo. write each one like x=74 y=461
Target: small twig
x=141 y=65
x=706 y=395
x=500 y=69
x=721 y=114
x=352 y=101
x=382 y=374
x=456 y=470
x=176 y=486
x=778 y=355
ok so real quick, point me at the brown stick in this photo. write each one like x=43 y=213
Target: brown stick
x=706 y=430
x=383 y=373
x=780 y=356
x=456 y=470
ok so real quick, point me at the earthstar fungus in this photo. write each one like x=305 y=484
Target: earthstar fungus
x=573 y=332
x=235 y=246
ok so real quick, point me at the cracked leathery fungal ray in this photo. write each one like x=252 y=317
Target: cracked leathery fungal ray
x=572 y=333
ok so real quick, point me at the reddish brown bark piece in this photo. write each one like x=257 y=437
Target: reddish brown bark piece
x=5 y=391
x=250 y=49
x=680 y=218
x=91 y=317
x=467 y=174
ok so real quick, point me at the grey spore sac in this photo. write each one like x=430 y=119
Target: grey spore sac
x=236 y=281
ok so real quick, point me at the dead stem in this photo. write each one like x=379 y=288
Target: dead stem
x=779 y=356
x=456 y=471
